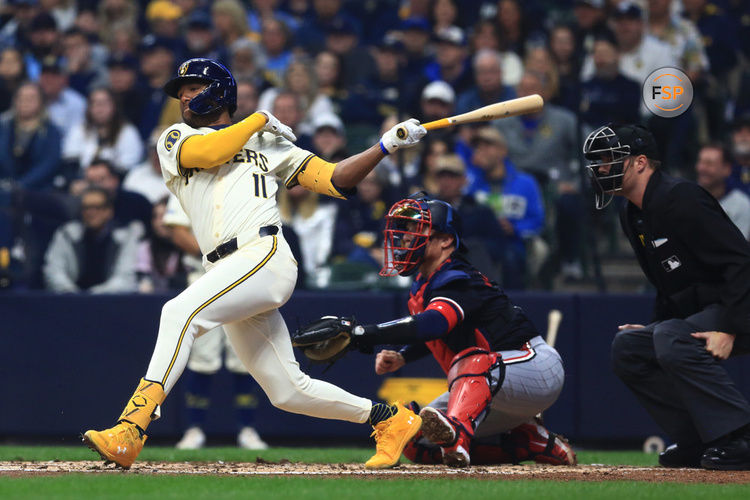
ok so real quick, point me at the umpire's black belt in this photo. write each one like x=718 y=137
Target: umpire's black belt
x=230 y=246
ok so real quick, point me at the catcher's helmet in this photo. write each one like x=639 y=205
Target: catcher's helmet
x=221 y=91
x=609 y=145
x=408 y=226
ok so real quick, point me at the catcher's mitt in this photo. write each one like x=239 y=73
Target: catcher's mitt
x=325 y=340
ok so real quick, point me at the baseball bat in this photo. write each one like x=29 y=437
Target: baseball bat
x=553 y=324
x=513 y=107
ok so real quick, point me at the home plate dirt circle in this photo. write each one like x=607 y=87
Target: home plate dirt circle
x=286 y=468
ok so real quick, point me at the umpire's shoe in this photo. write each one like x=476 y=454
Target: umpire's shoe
x=391 y=436
x=734 y=455
x=120 y=444
x=681 y=455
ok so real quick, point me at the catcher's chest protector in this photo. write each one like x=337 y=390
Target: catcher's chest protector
x=469 y=380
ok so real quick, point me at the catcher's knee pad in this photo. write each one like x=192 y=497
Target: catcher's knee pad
x=469 y=379
x=422 y=454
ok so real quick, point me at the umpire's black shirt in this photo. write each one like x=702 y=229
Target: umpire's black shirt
x=690 y=251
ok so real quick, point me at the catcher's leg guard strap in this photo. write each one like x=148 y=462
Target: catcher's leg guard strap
x=143 y=405
x=469 y=385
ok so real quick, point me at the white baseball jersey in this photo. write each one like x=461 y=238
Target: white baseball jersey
x=233 y=198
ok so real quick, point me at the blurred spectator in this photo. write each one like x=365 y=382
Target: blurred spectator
x=437 y=101
x=451 y=62
x=681 y=35
x=64 y=12
x=713 y=169
x=266 y=9
x=342 y=38
x=230 y=21
x=164 y=17
x=117 y=14
x=538 y=60
x=717 y=32
x=275 y=41
x=84 y=70
x=122 y=40
x=128 y=89
x=247 y=100
x=146 y=179
x=247 y=64
x=514 y=26
x=16 y=30
x=415 y=34
x=44 y=41
x=92 y=254
x=288 y=109
x=740 y=177
x=329 y=138
x=486 y=35
x=489 y=89
x=300 y=80
x=66 y=107
x=590 y=22
x=562 y=48
x=104 y=134
x=421 y=176
x=29 y=142
x=158 y=264
x=128 y=206
x=443 y=14
x=358 y=234
x=312 y=33
x=314 y=223
x=87 y=21
x=12 y=74
x=157 y=67
x=514 y=197
x=640 y=53
x=608 y=96
x=200 y=40
x=480 y=230
x=330 y=77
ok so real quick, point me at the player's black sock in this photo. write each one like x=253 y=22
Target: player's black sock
x=380 y=412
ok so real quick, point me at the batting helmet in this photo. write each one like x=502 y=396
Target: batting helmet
x=221 y=91
x=409 y=225
x=608 y=146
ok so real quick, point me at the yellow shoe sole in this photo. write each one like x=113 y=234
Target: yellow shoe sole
x=89 y=438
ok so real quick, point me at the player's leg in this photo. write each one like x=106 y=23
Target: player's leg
x=533 y=380
x=262 y=343
x=245 y=399
x=203 y=363
x=258 y=277
x=474 y=375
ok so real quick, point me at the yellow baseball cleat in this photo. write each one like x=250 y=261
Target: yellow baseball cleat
x=120 y=444
x=391 y=436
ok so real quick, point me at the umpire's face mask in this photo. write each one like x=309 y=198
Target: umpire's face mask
x=607 y=164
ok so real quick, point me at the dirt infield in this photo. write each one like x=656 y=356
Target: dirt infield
x=505 y=472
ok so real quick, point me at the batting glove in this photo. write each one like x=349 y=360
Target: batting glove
x=403 y=135
x=274 y=126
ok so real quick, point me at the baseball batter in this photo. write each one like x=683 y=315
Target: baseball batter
x=225 y=177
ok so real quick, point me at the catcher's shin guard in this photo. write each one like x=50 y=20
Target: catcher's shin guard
x=143 y=406
x=469 y=381
x=533 y=441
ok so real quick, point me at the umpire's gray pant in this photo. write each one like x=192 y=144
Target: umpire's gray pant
x=682 y=386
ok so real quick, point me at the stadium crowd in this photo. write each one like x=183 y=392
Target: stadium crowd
x=81 y=192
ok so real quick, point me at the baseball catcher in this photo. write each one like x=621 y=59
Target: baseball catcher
x=501 y=373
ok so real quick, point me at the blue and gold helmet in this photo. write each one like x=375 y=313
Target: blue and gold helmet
x=221 y=90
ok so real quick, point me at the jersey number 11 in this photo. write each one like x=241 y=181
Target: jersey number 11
x=260 y=186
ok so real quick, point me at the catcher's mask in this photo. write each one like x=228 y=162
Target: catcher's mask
x=408 y=227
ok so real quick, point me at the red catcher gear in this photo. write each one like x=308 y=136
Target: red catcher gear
x=408 y=225
x=469 y=385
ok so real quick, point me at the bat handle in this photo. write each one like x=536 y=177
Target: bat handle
x=442 y=123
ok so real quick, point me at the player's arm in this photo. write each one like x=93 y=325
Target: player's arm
x=339 y=179
x=219 y=147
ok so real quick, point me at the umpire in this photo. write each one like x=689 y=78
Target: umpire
x=699 y=263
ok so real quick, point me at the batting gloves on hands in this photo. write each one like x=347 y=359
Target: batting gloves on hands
x=274 y=126
x=403 y=135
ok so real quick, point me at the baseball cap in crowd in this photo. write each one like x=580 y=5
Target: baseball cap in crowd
x=328 y=120
x=450 y=164
x=415 y=23
x=640 y=140
x=489 y=135
x=391 y=43
x=628 y=10
x=199 y=20
x=43 y=21
x=451 y=34
x=163 y=10
x=53 y=64
x=439 y=90
x=342 y=25
x=153 y=42
x=597 y=4
x=123 y=61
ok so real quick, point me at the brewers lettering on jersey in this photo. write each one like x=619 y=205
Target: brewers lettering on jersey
x=226 y=178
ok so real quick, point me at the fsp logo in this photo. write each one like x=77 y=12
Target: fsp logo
x=667 y=92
